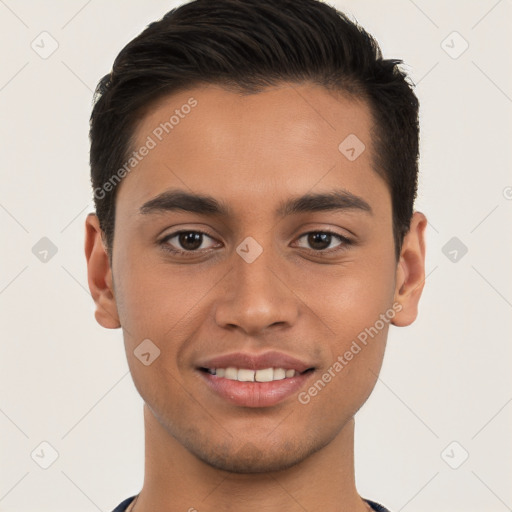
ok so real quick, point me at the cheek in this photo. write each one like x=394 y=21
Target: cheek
x=356 y=304
x=164 y=305
x=343 y=387
x=155 y=299
x=351 y=370
x=350 y=298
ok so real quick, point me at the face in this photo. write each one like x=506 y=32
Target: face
x=267 y=300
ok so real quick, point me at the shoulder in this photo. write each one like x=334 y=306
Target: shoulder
x=375 y=506
x=123 y=505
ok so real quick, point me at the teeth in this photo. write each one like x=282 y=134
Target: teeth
x=279 y=374
x=247 y=375
x=266 y=375
x=231 y=373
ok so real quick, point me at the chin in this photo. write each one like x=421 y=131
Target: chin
x=251 y=458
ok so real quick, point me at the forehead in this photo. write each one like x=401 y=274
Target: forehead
x=252 y=147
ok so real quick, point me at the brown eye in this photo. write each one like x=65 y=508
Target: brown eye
x=190 y=241
x=185 y=241
x=320 y=241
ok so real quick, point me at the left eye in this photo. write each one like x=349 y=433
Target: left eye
x=321 y=240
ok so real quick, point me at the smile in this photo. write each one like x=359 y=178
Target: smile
x=248 y=375
x=254 y=380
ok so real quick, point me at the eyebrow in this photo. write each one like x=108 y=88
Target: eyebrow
x=175 y=199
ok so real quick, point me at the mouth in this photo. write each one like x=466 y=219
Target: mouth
x=255 y=380
x=248 y=375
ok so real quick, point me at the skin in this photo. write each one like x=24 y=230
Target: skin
x=252 y=152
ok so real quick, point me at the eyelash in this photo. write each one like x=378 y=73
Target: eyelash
x=343 y=246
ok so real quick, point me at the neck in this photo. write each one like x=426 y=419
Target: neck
x=175 y=480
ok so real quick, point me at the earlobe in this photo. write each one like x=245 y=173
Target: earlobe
x=99 y=275
x=410 y=273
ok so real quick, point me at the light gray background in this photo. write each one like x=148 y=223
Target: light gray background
x=65 y=380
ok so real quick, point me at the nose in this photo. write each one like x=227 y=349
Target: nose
x=257 y=296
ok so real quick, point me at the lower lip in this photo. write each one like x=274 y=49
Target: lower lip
x=255 y=394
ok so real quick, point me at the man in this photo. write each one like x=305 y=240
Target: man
x=254 y=165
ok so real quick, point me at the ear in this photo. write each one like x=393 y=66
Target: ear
x=99 y=275
x=410 y=272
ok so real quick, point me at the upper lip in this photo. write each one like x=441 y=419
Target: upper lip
x=269 y=359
